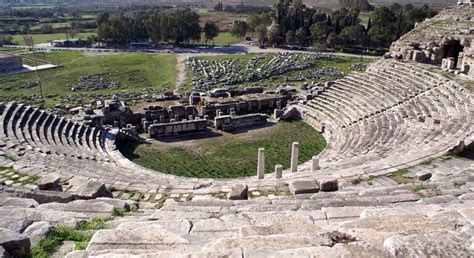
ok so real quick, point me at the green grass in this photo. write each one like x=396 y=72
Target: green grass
x=356 y=181
x=223 y=39
x=398 y=176
x=81 y=235
x=229 y=155
x=134 y=71
x=46 y=247
x=43 y=38
x=116 y=212
x=420 y=188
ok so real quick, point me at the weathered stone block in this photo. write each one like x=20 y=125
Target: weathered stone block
x=238 y=192
x=302 y=187
x=37 y=231
x=423 y=175
x=16 y=244
x=92 y=190
x=49 y=182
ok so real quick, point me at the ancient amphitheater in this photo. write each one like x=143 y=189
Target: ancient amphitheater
x=399 y=115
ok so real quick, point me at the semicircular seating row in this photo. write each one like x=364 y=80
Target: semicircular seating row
x=393 y=114
x=372 y=122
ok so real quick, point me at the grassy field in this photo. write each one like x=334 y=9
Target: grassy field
x=223 y=39
x=228 y=155
x=43 y=38
x=134 y=71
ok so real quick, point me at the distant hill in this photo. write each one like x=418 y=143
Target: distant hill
x=317 y=3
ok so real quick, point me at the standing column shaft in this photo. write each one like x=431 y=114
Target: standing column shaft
x=261 y=163
x=278 y=171
x=294 y=157
x=314 y=164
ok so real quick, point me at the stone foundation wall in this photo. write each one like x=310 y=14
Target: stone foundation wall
x=227 y=123
x=174 y=128
x=10 y=62
x=250 y=105
x=311 y=120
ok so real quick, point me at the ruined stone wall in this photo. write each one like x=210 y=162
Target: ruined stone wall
x=445 y=38
x=251 y=105
x=313 y=121
x=227 y=123
x=10 y=62
x=174 y=128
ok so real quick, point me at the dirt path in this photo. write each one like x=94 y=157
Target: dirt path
x=181 y=75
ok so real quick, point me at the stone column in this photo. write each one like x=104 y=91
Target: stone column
x=261 y=163
x=314 y=164
x=278 y=171
x=294 y=157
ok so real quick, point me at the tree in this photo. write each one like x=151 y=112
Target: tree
x=272 y=34
x=290 y=37
x=46 y=29
x=211 y=30
x=6 y=40
x=320 y=31
x=300 y=36
x=239 y=29
x=177 y=26
x=28 y=41
x=102 y=18
x=262 y=34
x=332 y=40
x=354 y=35
x=153 y=27
x=218 y=7
x=229 y=8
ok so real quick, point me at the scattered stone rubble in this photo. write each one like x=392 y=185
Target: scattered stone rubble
x=94 y=82
x=359 y=67
x=209 y=74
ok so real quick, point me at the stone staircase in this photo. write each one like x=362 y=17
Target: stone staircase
x=375 y=222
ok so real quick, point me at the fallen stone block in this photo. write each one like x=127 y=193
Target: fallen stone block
x=238 y=192
x=37 y=195
x=16 y=244
x=303 y=187
x=436 y=244
x=19 y=202
x=91 y=190
x=148 y=237
x=49 y=182
x=423 y=175
x=117 y=203
x=93 y=208
x=37 y=231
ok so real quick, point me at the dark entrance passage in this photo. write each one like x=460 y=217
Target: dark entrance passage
x=452 y=48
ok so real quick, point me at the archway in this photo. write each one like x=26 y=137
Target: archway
x=452 y=48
